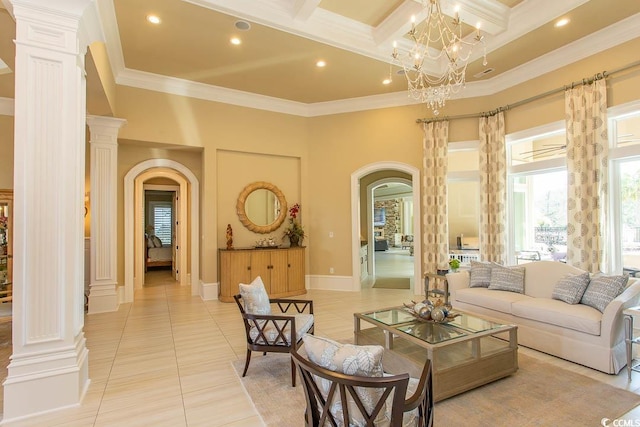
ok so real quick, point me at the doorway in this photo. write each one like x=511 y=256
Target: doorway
x=161 y=213
x=188 y=255
x=362 y=213
x=390 y=221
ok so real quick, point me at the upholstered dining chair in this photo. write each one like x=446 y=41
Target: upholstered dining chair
x=267 y=332
x=338 y=399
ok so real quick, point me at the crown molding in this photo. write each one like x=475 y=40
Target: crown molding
x=6 y=107
x=176 y=86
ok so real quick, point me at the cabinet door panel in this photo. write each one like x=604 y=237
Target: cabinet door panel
x=296 y=270
x=261 y=266
x=234 y=269
x=279 y=273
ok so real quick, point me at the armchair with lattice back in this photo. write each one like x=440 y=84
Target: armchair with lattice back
x=273 y=333
x=337 y=399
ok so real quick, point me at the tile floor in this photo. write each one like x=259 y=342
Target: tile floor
x=165 y=360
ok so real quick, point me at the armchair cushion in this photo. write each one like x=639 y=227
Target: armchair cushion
x=272 y=333
x=349 y=359
x=255 y=297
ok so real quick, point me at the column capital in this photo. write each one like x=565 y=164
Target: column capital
x=102 y=125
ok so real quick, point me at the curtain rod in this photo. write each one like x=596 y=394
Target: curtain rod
x=585 y=81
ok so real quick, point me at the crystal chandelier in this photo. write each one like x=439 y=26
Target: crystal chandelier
x=436 y=43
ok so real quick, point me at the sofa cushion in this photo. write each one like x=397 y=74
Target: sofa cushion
x=571 y=288
x=578 y=317
x=602 y=290
x=254 y=295
x=494 y=300
x=507 y=279
x=480 y=274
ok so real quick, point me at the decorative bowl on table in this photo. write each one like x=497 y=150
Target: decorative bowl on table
x=429 y=311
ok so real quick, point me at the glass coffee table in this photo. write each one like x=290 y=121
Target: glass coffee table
x=465 y=353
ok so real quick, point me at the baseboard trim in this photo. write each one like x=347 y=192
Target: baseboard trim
x=209 y=291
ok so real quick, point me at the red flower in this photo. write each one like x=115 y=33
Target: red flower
x=293 y=211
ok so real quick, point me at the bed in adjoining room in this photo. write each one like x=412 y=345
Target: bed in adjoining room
x=157 y=255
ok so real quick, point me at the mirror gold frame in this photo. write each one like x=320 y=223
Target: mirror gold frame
x=242 y=213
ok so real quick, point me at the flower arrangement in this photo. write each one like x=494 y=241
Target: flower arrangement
x=295 y=232
x=454 y=264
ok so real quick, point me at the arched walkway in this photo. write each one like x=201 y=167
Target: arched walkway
x=190 y=190
x=355 y=217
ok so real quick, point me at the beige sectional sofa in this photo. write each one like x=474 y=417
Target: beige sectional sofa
x=575 y=332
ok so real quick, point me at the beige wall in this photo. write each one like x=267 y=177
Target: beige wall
x=217 y=128
x=318 y=154
x=6 y=152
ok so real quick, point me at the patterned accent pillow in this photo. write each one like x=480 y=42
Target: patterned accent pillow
x=480 y=275
x=365 y=360
x=507 y=279
x=571 y=288
x=602 y=290
x=254 y=295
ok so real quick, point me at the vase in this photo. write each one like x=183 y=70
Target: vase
x=295 y=240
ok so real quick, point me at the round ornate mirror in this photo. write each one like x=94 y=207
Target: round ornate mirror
x=261 y=207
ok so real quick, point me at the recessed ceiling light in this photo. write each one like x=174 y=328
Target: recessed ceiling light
x=236 y=41
x=154 y=19
x=387 y=81
x=243 y=25
x=321 y=63
x=562 y=22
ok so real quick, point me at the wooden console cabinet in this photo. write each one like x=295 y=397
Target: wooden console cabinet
x=281 y=269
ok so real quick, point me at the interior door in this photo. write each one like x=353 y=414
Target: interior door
x=175 y=238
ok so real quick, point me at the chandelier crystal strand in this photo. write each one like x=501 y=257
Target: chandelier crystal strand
x=435 y=42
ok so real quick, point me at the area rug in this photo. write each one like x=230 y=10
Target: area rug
x=392 y=283
x=539 y=394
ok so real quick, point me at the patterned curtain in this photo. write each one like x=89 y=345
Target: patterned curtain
x=493 y=189
x=435 y=225
x=587 y=173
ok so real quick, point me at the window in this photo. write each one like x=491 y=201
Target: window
x=463 y=200
x=624 y=128
x=162 y=217
x=537 y=194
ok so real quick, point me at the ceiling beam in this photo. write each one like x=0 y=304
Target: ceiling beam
x=303 y=9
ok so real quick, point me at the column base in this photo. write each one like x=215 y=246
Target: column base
x=103 y=298
x=46 y=382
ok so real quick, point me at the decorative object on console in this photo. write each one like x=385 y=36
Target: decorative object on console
x=437 y=40
x=229 y=237
x=295 y=232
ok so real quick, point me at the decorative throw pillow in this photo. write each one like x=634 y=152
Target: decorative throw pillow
x=571 y=288
x=157 y=243
x=360 y=360
x=507 y=279
x=150 y=242
x=602 y=290
x=480 y=275
x=254 y=295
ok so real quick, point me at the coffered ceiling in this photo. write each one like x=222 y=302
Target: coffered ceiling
x=274 y=67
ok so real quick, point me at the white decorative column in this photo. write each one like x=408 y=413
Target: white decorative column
x=49 y=365
x=103 y=140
